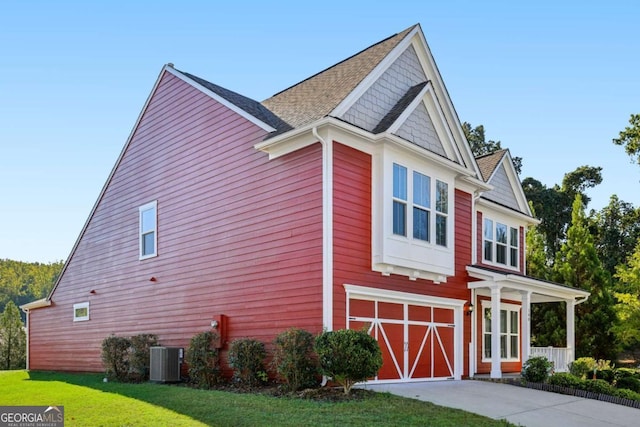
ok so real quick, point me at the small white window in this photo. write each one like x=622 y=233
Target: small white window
x=81 y=312
x=148 y=230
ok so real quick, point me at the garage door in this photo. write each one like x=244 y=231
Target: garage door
x=417 y=340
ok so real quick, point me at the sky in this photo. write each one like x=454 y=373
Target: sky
x=554 y=81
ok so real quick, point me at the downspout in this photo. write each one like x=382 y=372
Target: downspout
x=327 y=231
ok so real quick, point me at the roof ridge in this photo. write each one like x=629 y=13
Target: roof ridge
x=315 y=97
x=343 y=61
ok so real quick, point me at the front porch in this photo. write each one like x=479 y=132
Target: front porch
x=503 y=342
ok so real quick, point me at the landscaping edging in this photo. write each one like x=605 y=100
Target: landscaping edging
x=566 y=390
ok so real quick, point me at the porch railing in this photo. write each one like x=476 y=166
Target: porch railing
x=560 y=356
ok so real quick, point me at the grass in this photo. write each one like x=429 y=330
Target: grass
x=89 y=402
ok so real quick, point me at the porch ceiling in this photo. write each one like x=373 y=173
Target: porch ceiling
x=513 y=284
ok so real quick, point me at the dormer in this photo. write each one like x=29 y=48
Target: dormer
x=503 y=215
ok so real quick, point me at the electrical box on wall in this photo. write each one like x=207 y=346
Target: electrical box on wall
x=219 y=324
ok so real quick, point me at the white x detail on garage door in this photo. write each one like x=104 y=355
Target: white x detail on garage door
x=419 y=335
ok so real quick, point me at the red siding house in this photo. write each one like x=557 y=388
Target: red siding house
x=349 y=200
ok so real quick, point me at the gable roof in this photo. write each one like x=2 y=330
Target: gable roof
x=317 y=96
x=489 y=162
x=497 y=169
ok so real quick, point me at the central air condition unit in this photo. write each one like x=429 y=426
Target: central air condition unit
x=165 y=364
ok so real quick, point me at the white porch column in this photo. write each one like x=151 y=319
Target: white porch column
x=496 y=370
x=571 y=330
x=526 y=325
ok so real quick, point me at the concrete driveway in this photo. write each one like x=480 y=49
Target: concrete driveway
x=518 y=405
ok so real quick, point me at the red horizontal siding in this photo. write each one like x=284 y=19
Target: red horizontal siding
x=352 y=240
x=237 y=235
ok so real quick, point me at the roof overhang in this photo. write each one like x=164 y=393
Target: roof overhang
x=364 y=140
x=44 y=302
x=541 y=290
x=507 y=211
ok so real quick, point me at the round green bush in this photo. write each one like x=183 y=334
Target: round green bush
x=599 y=386
x=565 y=379
x=536 y=369
x=583 y=367
x=348 y=356
x=115 y=357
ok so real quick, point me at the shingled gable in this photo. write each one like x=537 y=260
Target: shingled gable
x=347 y=91
x=497 y=170
x=317 y=96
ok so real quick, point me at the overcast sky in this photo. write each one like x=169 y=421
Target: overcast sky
x=554 y=81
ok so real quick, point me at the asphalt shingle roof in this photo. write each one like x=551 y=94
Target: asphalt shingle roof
x=489 y=162
x=252 y=107
x=315 y=97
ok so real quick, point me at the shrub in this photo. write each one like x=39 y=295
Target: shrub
x=204 y=360
x=294 y=360
x=348 y=356
x=583 y=367
x=139 y=356
x=599 y=386
x=115 y=357
x=565 y=379
x=626 y=394
x=629 y=383
x=246 y=357
x=608 y=374
x=627 y=372
x=537 y=369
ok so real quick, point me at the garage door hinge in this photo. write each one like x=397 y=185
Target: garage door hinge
x=352 y=318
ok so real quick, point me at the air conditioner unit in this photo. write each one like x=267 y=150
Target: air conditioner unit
x=165 y=364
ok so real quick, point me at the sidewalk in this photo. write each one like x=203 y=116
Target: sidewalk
x=518 y=405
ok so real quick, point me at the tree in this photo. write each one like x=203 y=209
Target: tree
x=554 y=205
x=627 y=308
x=577 y=265
x=630 y=138
x=22 y=282
x=615 y=229
x=480 y=147
x=13 y=340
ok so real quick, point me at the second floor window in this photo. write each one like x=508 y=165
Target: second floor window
x=148 y=230
x=500 y=243
x=425 y=223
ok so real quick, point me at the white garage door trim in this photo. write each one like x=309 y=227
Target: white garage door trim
x=375 y=294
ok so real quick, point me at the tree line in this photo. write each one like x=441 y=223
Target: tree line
x=20 y=283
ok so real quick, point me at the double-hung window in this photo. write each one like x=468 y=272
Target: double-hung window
x=399 y=200
x=500 y=243
x=425 y=223
x=509 y=332
x=148 y=230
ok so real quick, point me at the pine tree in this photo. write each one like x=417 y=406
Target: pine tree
x=12 y=339
x=577 y=265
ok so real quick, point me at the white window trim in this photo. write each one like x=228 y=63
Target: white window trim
x=432 y=210
x=494 y=245
x=509 y=308
x=152 y=205
x=77 y=307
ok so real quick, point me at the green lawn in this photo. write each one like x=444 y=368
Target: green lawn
x=89 y=402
